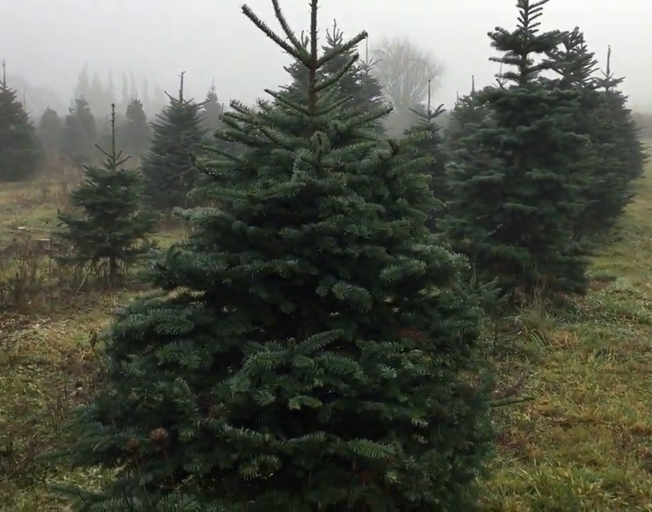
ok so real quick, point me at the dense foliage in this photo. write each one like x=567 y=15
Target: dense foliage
x=177 y=134
x=313 y=343
x=312 y=346
x=513 y=179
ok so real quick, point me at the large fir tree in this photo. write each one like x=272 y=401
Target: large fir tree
x=79 y=134
x=50 y=130
x=426 y=141
x=168 y=168
x=113 y=227
x=312 y=348
x=212 y=111
x=20 y=150
x=622 y=152
x=135 y=134
x=465 y=118
x=513 y=198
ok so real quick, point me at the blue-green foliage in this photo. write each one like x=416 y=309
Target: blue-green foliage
x=312 y=346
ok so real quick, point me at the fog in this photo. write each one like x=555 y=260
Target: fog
x=48 y=42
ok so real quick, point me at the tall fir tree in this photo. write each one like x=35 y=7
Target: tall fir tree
x=83 y=86
x=212 y=111
x=576 y=66
x=80 y=134
x=113 y=227
x=426 y=141
x=50 y=130
x=177 y=135
x=466 y=116
x=135 y=133
x=312 y=348
x=513 y=199
x=20 y=149
x=623 y=153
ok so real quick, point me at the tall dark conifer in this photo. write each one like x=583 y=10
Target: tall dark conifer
x=168 y=167
x=20 y=149
x=426 y=141
x=312 y=346
x=514 y=193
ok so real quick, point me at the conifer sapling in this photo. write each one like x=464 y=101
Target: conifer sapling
x=111 y=232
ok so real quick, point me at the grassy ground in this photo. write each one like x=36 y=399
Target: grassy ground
x=583 y=443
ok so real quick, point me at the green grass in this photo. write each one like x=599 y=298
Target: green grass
x=584 y=442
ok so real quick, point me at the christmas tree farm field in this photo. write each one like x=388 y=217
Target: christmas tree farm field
x=584 y=441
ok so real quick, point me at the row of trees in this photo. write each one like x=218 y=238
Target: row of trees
x=398 y=65
x=101 y=93
x=75 y=136
x=315 y=343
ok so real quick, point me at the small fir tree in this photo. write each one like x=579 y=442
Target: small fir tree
x=168 y=166
x=513 y=199
x=135 y=133
x=314 y=348
x=50 y=130
x=20 y=150
x=79 y=134
x=114 y=227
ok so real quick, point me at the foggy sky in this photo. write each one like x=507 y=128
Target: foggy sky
x=48 y=41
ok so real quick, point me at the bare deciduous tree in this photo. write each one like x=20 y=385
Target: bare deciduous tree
x=404 y=70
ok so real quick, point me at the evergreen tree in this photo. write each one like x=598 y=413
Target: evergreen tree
x=50 y=130
x=513 y=199
x=79 y=133
x=465 y=118
x=358 y=84
x=114 y=226
x=427 y=142
x=212 y=111
x=359 y=87
x=135 y=133
x=83 y=87
x=168 y=167
x=623 y=155
x=314 y=348
x=575 y=66
x=20 y=151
